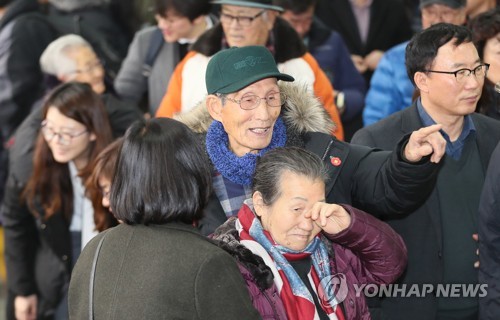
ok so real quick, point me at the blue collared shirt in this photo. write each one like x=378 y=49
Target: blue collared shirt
x=453 y=149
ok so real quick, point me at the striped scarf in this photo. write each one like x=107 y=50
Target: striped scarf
x=297 y=299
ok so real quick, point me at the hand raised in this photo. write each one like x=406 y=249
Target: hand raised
x=426 y=141
x=331 y=218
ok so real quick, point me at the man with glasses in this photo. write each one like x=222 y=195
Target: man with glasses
x=390 y=88
x=444 y=65
x=248 y=112
x=245 y=23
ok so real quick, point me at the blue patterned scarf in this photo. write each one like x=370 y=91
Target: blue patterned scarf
x=295 y=296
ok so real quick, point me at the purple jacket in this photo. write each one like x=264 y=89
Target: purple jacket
x=367 y=252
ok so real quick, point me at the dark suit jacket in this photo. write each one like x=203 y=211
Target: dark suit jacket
x=158 y=272
x=389 y=24
x=421 y=229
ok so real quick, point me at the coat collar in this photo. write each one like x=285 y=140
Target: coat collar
x=410 y=121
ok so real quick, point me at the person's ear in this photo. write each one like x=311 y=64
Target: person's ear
x=271 y=19
x=93 y=137
x=214 y=107
x=421 y=81
x=258 y=203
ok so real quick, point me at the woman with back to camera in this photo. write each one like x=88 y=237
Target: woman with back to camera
x=156 y=264
x=45 y=236
x=305 y=249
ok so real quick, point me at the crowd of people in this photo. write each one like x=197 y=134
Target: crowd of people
x=250 y=159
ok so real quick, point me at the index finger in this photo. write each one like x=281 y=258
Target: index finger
x=426 y=131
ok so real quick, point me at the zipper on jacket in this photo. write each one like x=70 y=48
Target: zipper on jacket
x=327 y=151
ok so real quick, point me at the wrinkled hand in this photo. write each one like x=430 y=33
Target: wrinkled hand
x=373 y=58
x=475 y=236
x=359 y=63
x=25 y=307
x=426 y=141
x=331 y=218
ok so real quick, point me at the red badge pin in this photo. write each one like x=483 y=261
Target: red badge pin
x=335 y=161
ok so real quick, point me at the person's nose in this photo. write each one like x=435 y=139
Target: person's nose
x=263 y=111
x=306 y=224
x=473 y=82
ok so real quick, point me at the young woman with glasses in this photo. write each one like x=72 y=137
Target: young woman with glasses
x=57 y=219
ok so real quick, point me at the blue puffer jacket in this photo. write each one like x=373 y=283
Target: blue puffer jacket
x=367 y=252
x=390 y=88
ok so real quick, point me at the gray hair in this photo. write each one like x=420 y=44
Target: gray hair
x=54 y=59
x=271 y=166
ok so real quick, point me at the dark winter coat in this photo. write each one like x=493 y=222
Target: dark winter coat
x=156 y=272
x=24 y=34
x=489 y=244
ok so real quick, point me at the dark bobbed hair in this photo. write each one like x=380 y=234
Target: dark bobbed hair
x=424 y=46
x=4 y=3
x=270 y=167
x=190 y=9
x=103 y=167
x=161 y=175
x=50 y=183
x=484 y=27
x=295 y=6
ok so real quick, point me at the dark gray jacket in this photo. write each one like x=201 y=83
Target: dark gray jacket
x=158 y=272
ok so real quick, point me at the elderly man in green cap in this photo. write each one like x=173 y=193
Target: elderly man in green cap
x=252 y=107
x=247 y=23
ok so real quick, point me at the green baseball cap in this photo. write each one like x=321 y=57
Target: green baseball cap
x=233 y=69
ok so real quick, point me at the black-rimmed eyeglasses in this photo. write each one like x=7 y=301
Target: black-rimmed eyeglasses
x=479 y=72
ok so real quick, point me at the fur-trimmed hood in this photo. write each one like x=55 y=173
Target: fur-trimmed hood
x=302 y=112
x=227 y=238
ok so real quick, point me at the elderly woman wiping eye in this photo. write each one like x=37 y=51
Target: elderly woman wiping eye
x=293 y=248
